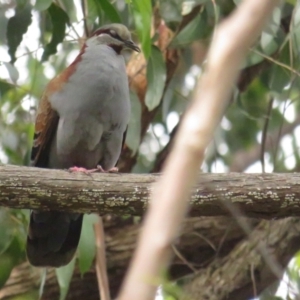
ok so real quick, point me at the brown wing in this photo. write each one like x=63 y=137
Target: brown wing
x=47 y=118
x=45 y=128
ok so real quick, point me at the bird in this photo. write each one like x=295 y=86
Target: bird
x=80 y=125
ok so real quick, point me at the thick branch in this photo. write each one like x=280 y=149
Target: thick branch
x=258 y=195
x=243 y=274
x=210 y=236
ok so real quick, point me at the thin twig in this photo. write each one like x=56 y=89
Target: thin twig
x=264 y=135
x=101 y=261
x=210 y=243
x=253 y=281
x=279 y=137
x=83 y=7
x=276 y=62
x=274 y=266
x=183 y=259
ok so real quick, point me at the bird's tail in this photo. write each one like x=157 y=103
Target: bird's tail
x=52 y=238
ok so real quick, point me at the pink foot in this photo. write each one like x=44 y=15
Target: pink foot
x=98 y=169
x=79 y=169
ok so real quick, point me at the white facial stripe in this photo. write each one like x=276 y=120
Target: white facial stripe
x=105 y=39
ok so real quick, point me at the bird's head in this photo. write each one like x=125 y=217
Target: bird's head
x=116 y=36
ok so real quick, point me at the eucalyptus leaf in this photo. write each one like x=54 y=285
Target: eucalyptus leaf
x=279 y=79
x=156 y=78
x=3 y=26
x=7 y=230
x=16 y=27
x=142 y=13
x=296 y=28
x=12 y=70
x=4 y=88
x=109 y=11
x=42 y=4
x=87 y=246
x=194 y=30
x=7 y=263
x=64 y=276
x=93 y=10
x=268 y=43
x=60 y=20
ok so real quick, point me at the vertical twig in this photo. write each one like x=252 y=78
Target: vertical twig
x=278 y=137
x=253 y=281
x=83 y=7
x=102 y=278
x=264 y=135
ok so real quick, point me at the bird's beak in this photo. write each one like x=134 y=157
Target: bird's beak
x=131 y=45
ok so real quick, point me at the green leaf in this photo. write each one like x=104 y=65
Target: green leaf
x=5 y=87
x=93 y=11
x=16 y=27
x=87 y=247
x=70 y=7
x=268 y=43
x=64 y=276
x=296 y=28
x=142 y=13
x=110 y=11
x=42 y=4
x=60 y=20
x=3 y=26
x=194 y=30
x=7 y=230
x=279 y=78
x=7 y=263
x=253 y=59
x=156 y=78
x=12 y=70
x=133 y=135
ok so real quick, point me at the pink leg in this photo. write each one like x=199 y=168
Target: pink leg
x=78 y=169
x=98 y=169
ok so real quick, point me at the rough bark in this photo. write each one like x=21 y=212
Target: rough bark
x=257 y=195
x=208 y=244
x=210 y=236
x=243 y=273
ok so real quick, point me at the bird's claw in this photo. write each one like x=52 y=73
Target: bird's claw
x=100 y=169
x=78 y=169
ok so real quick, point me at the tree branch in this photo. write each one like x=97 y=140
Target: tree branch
x=210 y=236
x=220 y=281
x=257 y=195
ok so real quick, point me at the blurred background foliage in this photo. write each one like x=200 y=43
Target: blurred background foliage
x=259 y=133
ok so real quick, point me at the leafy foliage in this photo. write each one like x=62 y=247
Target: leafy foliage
x=59 y=20
x=16 y=27
x=156 y=78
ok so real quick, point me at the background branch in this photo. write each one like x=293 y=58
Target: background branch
x=243 y=159
x=278 y=235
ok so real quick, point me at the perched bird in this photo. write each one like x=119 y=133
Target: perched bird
x=81 y=123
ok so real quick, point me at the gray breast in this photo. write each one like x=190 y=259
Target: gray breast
x=94 y=112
